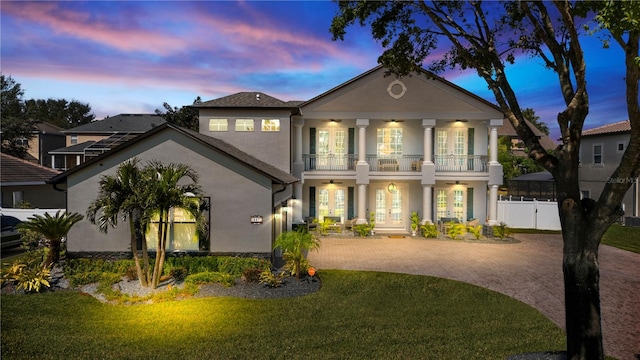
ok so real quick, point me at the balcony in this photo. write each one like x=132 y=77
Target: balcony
x=402 y=163
x=461 y=163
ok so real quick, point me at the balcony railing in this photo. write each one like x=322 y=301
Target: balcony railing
x=405 y=163
x=329 y=162
x=460 y=163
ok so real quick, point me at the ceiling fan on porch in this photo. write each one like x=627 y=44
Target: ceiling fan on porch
x=394 y=121
x=332 y=120
x=456 y=183
x=332 y=182
x=458 y=121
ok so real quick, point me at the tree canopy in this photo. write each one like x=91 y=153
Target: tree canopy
x=184 y=116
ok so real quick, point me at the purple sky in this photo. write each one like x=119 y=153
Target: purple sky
x=131 y=56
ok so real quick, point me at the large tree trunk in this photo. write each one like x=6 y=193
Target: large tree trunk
x=582 y=298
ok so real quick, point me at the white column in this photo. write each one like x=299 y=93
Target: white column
x=78 y=160
x=428 y=125
x=493 y=140
x=297 y=203
x=298 y=123
x=493 y=205
x=53 y=161
x=427 y=205
x=362 y=140
x=362 y=204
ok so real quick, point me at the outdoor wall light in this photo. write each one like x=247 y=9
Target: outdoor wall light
x=392 y=187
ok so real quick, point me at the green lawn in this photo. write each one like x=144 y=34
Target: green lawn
x=623 y=237
x=356 y=315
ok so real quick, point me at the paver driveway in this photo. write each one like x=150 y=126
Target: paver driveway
x=530 y=271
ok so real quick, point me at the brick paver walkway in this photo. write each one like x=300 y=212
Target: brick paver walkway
x=530 y=271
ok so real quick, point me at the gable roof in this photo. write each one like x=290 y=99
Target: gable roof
x=254 y=100
x=16 y=171
x=124 y=123
x=618 y=127
x=546 y=142
x=47 y=128
x=421 y=71
x=275 y=174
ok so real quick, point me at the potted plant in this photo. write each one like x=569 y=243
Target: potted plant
x=372 y=222
x=415 y=222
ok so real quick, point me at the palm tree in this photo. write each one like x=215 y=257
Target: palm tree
x=52 y=228
x=169 y=186
x=120 y=197
x=294 y=246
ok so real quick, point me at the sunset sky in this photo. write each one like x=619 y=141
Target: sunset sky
x=131 y=56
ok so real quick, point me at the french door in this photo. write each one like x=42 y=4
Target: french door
x=332 y=149
x=451 y=203
x=451 y=149
x=331 y=201
x=390 y=206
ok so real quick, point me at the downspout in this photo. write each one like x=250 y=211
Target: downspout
x=273 y=223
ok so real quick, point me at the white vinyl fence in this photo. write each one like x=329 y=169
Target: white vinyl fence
x=525 y=214
x=24 y=214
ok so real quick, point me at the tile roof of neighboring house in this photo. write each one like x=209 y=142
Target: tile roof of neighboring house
x=123 y=123
x=618 y=127
x=14 y=170
x=248 y=100
x=73 y=149
x=268 y=170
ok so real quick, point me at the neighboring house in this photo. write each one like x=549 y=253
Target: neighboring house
x=374 y=144
x=601 y=151
x=517 y=145
x=87 y=141
x=25 y=182
x=47 y=137
x=247 y=196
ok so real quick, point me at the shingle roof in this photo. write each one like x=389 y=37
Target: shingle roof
x=46 y=128
x=268 y=170
x=536 y=176
x=618 y=127
x=123 y=123
x=73 y=149
x=248 y=100
x=508 y=130
x=16 y=170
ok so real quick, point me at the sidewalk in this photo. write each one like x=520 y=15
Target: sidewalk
x=530 y=271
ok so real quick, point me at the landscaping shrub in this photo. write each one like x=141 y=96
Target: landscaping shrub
x=502 y=231
x=178 y=273
x=476 y=231
x=131 y=274
x=362 y=230
x=251 y=275
x=210 y=277
x=455 y=230
x=429 y=231
x=31 y=276
x=271 y=279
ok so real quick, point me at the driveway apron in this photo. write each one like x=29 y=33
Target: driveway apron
x=529 y=270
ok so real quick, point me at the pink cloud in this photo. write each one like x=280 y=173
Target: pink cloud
x=87 y=27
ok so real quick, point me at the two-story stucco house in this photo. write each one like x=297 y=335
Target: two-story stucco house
x=600 y=154
x=377 y=144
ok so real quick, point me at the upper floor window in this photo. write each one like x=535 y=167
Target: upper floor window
x=270 y=124
x=218 y=125
x=22 y=142
x=244 y=125
x=620 y=147
x=597 y=154
x=389 y=142
x=74 y=139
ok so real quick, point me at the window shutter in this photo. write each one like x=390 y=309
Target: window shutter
x=312 y=148
x=312 y=201
x=350 y=198
x=470 y=203
x=470 y=141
